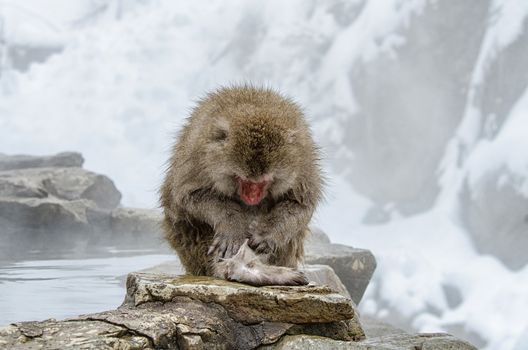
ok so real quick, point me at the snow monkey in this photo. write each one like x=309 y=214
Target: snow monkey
x=241 y=186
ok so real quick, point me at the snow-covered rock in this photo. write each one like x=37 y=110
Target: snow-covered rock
x=496 y=213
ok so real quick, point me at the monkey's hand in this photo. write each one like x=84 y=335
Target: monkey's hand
x=262 y=243
x=225 y=245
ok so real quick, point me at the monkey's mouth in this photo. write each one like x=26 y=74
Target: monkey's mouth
x=252 y=192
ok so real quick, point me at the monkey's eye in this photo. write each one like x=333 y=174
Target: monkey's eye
x=219 y=135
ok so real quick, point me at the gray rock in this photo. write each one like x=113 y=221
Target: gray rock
x=53 y=334
x=63 y=183
x=65 y=159
x=244 y=303
x=317 y=274
x=434 y=341
x=324 y=275
x=184 y=323
x=375 y=328
x=155 y=327
x=45 y=213
x=188 y=324
x=497 y=218
x=353 y=266
x=379 y=336
x=54 y=199
x=135 y=220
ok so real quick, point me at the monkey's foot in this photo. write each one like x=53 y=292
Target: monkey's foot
x=246 y=267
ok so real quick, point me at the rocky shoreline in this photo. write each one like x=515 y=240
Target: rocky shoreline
x=183 y=312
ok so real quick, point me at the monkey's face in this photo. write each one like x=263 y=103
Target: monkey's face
x=255 y=156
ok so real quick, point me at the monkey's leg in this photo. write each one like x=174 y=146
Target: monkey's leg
x=191 y=241
x=247 y=267
x=226 y=216
x=289 y=254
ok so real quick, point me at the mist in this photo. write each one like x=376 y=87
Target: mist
x=420 y=108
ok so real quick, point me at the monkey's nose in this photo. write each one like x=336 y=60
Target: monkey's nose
x=252 y=192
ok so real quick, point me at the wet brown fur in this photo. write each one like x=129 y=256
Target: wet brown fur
x=240 y=131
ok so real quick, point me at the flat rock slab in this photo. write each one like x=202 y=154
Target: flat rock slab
x=318 y=274
x=244 y=303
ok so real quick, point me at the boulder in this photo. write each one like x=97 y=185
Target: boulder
x=46 y=213
x=353 y=266
x=64 y=159
x=63 y=183
x=55 y=199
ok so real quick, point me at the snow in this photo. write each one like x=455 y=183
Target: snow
x=496 y=154
x=417 y=257
x=39 y=23
x=128 y=77
x=506 y=24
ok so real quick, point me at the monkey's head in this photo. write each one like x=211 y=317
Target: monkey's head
x=257 y=143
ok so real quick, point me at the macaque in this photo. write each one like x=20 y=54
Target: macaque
x=241 y=186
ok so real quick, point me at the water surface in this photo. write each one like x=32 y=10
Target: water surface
x=60 y=284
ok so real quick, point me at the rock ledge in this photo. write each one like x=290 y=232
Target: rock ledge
x=185 y=312
x=244 y=303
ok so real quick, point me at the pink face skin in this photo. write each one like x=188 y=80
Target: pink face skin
x=253 y=191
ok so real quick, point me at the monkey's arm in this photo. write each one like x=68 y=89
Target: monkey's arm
x=281 y=225
x=290 y=216
x=225 y=216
